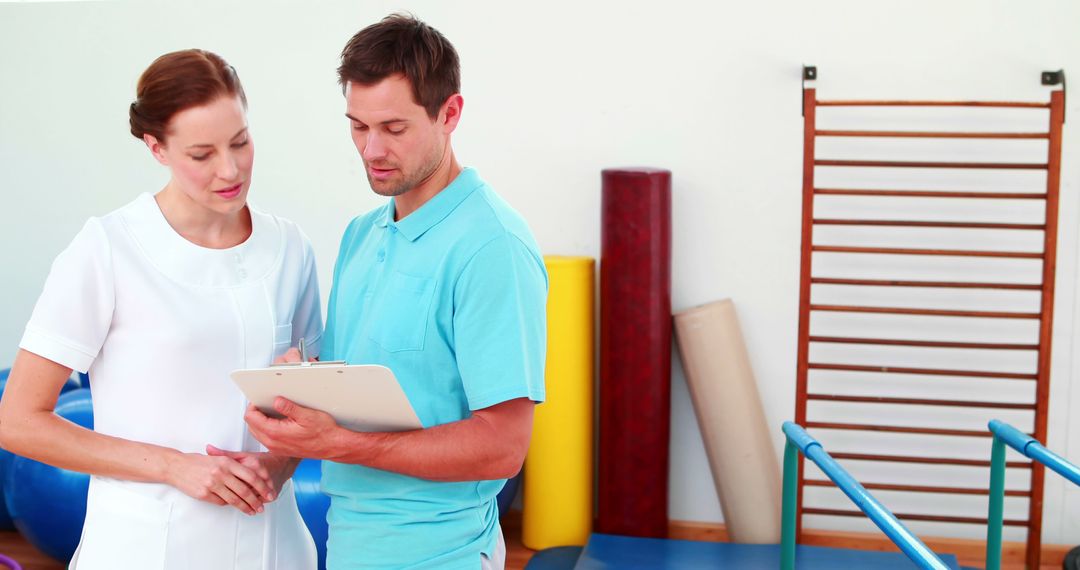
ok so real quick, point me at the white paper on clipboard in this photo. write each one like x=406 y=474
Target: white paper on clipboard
x=361 y=397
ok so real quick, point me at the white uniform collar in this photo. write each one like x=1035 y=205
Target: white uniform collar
x=198 y=266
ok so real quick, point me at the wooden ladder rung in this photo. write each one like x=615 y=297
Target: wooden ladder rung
x=930 y=134
x=919 y=402
x=921 y=371
x=914 y=251
x=926 y=164
x=931 y=194
x=897 y=103
x=926 y=284
x=923 y=343
x=899 y=429
x=928 y=224
x=849 y=456
x=922 y=488
x=925 y=312
x=911 y=516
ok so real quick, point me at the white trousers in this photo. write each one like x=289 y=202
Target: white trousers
x=498 y=556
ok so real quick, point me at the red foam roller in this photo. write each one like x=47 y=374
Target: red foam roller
x=635 y=352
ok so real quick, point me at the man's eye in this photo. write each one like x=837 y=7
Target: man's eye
x=359 y=127
x=240 y=144
x=201 y=157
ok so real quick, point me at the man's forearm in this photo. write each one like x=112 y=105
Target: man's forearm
x=466 y=450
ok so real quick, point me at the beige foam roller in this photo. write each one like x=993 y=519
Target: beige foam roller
x=732 y=421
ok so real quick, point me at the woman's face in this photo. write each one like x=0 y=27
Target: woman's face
x=210 y=153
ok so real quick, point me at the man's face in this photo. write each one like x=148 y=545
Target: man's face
x=401 y=146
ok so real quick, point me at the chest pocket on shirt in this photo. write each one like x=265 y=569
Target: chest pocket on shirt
x=401 y=315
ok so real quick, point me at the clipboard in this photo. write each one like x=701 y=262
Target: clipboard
x=362 y=397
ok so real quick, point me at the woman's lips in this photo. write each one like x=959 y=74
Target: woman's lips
x=230 y=192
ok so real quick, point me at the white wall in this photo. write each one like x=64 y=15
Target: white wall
x=554 y=91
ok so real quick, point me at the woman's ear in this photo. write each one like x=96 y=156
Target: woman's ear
x=157 y=148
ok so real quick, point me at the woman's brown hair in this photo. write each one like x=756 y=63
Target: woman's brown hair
x=177 y=81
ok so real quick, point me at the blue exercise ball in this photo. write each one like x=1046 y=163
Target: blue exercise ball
x=5 y=463
x=5 y=456
x=505 y=498
x=312 y=503
x=48 y=504
x=5 y=460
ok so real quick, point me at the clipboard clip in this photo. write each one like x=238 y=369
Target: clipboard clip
x=304 y=359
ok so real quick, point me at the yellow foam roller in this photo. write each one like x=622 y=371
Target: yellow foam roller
x=558 y=500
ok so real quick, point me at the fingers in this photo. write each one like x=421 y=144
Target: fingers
x=240 y=496
x=291 y=355
x=286 y=407
x=241 y=456
x=247 y=486
x=252 y=471
x=301 y=416
x=215 y=452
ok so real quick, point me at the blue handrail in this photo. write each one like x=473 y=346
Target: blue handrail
x=800 y=441
x=1005 y=434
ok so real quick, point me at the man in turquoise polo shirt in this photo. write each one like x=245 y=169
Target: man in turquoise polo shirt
x=444 y=285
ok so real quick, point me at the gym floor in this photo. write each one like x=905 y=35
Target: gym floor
x=14 y=545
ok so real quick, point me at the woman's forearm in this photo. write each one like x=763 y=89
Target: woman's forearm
x=28 y=427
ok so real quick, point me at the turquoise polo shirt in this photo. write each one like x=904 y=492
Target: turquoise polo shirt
x=452 y=298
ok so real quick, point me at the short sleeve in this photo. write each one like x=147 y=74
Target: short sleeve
x=73 y=315
x=500 y=323
x=307 y=319
x=328 y=349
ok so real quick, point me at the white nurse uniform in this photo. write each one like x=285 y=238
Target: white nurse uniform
x=160 y=322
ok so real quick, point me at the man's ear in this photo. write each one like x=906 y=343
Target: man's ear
x=450 y=113
x=156 y=148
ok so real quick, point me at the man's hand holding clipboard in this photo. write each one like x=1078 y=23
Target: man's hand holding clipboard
x=294 y=400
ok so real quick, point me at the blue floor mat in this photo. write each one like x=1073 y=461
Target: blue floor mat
x=610 y=552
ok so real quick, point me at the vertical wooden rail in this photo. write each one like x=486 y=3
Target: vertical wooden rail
x=1046 y=321
x=802 y=366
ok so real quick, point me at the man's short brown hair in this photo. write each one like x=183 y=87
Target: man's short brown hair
x=402 y=44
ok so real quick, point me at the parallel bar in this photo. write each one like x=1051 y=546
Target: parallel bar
x=928 y=224
x=996 y=505
x=1030 y=447
x=924 y=343
x=919 y=402
x=913 y=517
x=931 y=134
x=924 y=164
x=926 y=460
x=922 y=488
x=789 y=520
x=924 y=312
x=908 y=543
x=931 y=194
x=914 y=251
x=926 y=284
x=894 y=103
x=923 y=371
x=898 y=429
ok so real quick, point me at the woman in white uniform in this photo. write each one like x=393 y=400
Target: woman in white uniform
x=159 y=301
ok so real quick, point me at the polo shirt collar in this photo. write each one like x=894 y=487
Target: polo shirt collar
x=434 y=210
